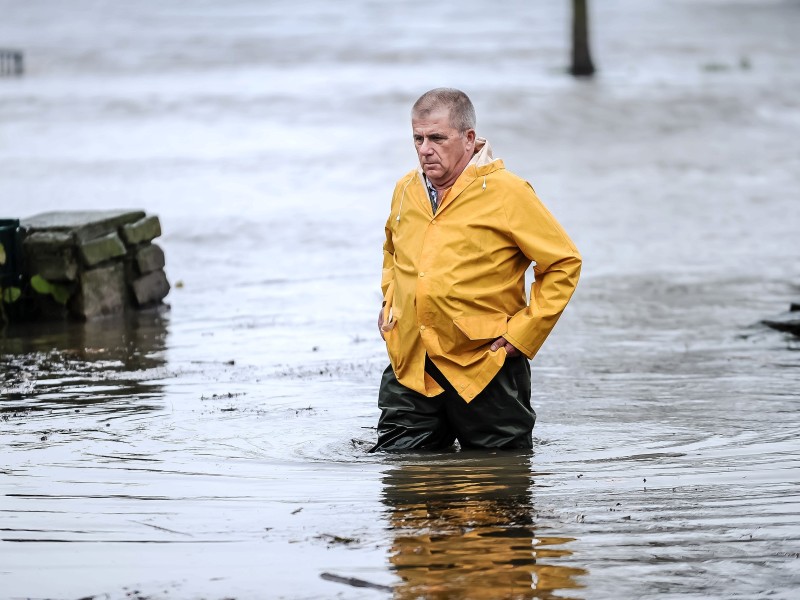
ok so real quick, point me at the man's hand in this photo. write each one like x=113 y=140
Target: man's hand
x=502 y=343
x=380 y=323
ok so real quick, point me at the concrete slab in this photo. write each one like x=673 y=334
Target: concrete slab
x=102 y=292
x=51 y=254
x=143 y=230
x=150 y=258
x=151 y=288
x=85 y=225
x=102 y=249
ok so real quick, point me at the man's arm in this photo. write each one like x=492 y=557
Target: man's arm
x=558 y=265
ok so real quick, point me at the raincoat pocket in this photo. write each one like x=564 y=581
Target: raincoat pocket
x=392 y=336
x=482 y=327
x=391 y=314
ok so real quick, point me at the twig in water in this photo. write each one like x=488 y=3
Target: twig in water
x=161 y=528
x=356 y=582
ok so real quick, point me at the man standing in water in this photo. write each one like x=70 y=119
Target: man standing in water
x=458 y=328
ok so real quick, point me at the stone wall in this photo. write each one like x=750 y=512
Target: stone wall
x=90 y=264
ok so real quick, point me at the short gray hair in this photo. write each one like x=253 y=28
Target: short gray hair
x=458 y=104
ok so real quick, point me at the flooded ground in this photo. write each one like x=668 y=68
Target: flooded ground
x=217 y=449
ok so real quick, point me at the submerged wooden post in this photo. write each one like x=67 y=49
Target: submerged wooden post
x=11 y=62
x=582 y=65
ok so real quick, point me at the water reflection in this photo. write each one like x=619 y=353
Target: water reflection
x=464 y=527
x=59 y=365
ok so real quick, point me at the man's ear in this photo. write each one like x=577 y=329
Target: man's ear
x=470 y=136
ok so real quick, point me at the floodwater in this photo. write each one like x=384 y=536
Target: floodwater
x=218 y=449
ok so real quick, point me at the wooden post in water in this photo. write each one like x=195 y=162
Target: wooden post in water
x=11 y=62
x=582 y=65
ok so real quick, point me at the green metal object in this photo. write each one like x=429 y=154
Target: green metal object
x=11 y=240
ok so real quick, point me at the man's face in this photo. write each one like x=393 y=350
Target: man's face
x=443 y=151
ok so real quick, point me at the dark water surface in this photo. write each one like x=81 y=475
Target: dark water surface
x=218 y=449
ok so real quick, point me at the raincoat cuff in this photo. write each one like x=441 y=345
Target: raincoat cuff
x=526 y=350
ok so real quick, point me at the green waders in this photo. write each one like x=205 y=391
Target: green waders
x=499 y=417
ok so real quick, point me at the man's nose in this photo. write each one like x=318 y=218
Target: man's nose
x=425 y=147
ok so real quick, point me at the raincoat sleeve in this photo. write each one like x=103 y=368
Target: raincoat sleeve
x=387 y=275
x=558 y=265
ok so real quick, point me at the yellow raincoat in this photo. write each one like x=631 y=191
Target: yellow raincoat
x=455 y=281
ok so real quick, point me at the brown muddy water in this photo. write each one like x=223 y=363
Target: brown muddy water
x=218 y=449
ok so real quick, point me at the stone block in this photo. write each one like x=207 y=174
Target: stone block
x=84 y=225
x=96 y=251
x=150 y=288
x=51 y=254
x=102 y=292
x=150 y=258
x=143 y=230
